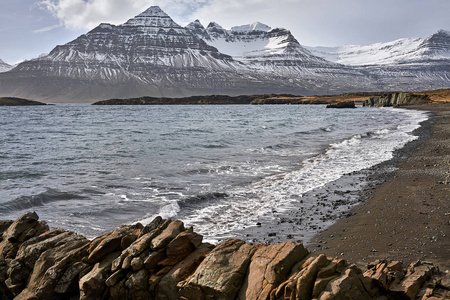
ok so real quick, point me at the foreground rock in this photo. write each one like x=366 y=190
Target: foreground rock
x=11 y=101
x=165 y=260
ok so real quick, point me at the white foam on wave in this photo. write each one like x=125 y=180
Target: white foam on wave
x=282 y=192
x=168 y=211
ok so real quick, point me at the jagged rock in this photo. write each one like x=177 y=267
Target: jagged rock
x=168 y=284
x=62 y=265
x=137 y=280
x=180 y=247
x=112 y=241
x=348 y=286
x=137 y=263
x=4 y=225
x=167 y=235
x=19 y=226
x=92 y=285
x=51 y=266
x=221 y=273
x=115 y=278
x=387 y=274
x=69 y=280
x=4 y=290
x=152 y=260
x=135 y=249
x=418 y=273
x=307 y=277
x=270 y=266
x=22 y=229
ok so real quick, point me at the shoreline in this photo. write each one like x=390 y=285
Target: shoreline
x=406 y=216
x=345 y=233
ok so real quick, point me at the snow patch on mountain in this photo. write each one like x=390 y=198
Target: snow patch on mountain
x=257 y=26
x=435 y=47
x=4 y=67
x=374 y=54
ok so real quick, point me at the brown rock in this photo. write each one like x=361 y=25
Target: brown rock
x=137 y=263
x=155 y=223
x=320 y=285
x=69 y=280
x=270 y=266
x=347 y=286
x=111 y=242
x=19 y=226
x=93 y=284
x=25 y=227
x=168 y=284
x=135 y=249
x=221 y=273
x=51 y=266
x=152 y=260
x=137 y=280
x=418 y=273
x=119 y=291
x=4 y=225
x=131 y=236
x=167 y=235
x=305 y=283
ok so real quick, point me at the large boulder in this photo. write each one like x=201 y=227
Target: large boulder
x=51 y=266
x=221 y=273
x=269 y=267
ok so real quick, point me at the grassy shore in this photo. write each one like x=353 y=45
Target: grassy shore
x=407 y=217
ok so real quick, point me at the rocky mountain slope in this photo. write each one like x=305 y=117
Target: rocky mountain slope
x=151 y=55
x=165 y=260
x=4 y=66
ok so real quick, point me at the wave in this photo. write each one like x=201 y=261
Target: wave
x=28 y=202
x=281 y=192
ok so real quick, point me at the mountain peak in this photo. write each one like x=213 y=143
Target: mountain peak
x=195 y=25
x=154 y=16
x=153 y=11
x=198 y=29
x=257 y=26
x=442 y=32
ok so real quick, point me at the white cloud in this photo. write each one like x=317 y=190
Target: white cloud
x=48 y=28
x=313 y=22
x=82 y=14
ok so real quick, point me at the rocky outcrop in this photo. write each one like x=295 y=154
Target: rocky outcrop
x=397 y=99
x=344 y=104
x=165 y=260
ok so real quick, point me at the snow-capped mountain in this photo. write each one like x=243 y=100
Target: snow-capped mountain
x=4 y=66
x=375 y=54
x=151 y=55
x=412 y=64
x=274 y=52
x=401 y=51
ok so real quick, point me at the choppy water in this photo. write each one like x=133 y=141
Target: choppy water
x=92 y=168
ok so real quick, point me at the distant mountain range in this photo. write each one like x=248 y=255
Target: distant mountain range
x=151 y=55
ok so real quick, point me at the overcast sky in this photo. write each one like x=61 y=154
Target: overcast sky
x=29 y=28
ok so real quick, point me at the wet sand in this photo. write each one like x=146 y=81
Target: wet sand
x=406 y=217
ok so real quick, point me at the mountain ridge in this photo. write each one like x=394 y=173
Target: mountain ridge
x=4 y=67
x=151 y=55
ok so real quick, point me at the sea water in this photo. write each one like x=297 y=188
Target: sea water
x=90 y=168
